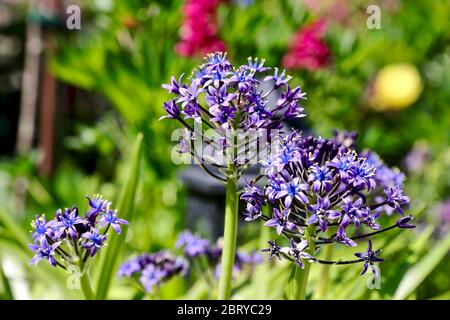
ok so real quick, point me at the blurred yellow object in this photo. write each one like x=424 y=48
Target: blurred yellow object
x=396 y=86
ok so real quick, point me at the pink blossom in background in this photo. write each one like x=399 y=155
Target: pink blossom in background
x=308 y=50
x=199 y=32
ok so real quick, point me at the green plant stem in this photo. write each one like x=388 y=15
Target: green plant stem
x=324 y=274
x=302 y=276
x=86 y=286
x=229 y=237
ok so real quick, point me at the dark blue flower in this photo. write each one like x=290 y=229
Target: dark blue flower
x=68 y=222
x=44 y=251
x=321 y=212
x=395 y=198
x=321 y=178
x=174 y=86
x=363 y=176
x=42 y=228
x=341 y=236
x=273 y=250
x=94 y=242
x=98 y=205
x=404 y=222
x=110 y=218
x=256 y=65
x=353 y=212
x=279 y=79
x=293 y=190
x=172 y=110
x=344 y=163
x=297 y=252
x=370 y=257
x=244 y=79
x=280 y=221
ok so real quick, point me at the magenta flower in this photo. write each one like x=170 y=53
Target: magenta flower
x=308 y=50
x=199 y=32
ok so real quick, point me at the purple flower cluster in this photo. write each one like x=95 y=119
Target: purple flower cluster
x=219 y=93
x=226 y=98
x=194 y=247
x=325 y=187
x=70 y=238
x=154 y=269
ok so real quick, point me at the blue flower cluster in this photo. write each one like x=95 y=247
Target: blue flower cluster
x=194 y=247
x=232 y=97
x=70 y=239
x=312 y=181
x=154 y=269
x=232 y=101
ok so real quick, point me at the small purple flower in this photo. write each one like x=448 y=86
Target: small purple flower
x=256 y=65
x=94 y=242
x=353 y=212
x=321 y=178
x=172 y=110
x=342 y=237
x=279 y=79
x=218 y=61
x=252 y=211
x=44 y=251
x=174 y=86
x=98 y=205
x=42 y=228
x=370 y=257
x=321 y=212
x=151 y=277
x=344 y=164
x=363 y=176
x=297 y=252
x=286 y=156
x=273 y=250
x=110 y=218
x=129 y=268
x=244 y=80
x=404 y=222
x=395 y=198
x=281 y=221
x=293 y=190
x=68 y=222
x=193 y=246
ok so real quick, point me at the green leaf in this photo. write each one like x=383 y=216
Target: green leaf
x=125 y=208
x=415 y=276
x=6 y=285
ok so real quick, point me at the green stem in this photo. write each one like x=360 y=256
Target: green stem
x=86 y=286
x=324 y=274
x=229 y=237
x=301 y=276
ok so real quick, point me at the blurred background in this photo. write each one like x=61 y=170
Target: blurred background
x=76 y=89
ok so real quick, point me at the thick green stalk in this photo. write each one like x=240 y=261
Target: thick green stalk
x=229 y=237
x=302 y=276
x=86 y=286
x=324 y=273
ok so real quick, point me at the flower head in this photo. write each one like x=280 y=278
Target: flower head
x=370 y=257
x=69 y=237
x=110 y=218
x=154 y=269
x=324 y=183
x=94 y=242
x=44 y=251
